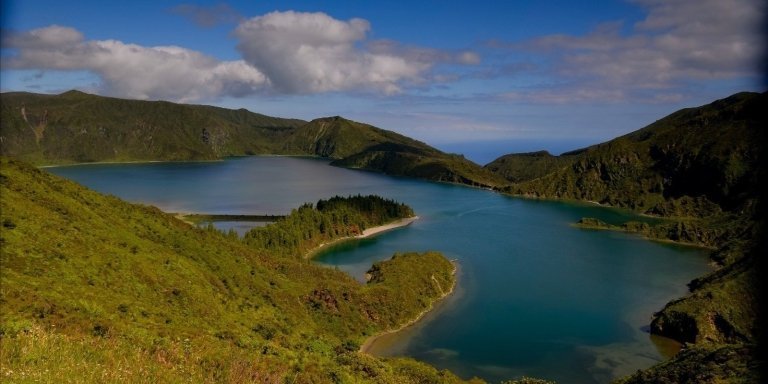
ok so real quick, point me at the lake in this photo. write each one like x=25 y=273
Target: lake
x=536 y=296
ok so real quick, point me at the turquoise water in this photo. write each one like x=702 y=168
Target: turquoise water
x=536 y=296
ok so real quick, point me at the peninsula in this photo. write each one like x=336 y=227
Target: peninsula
x=134 y=294
x=369 y=342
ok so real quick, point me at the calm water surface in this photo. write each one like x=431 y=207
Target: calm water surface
x=536 y=296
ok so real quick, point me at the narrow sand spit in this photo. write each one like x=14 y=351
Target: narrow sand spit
x=366 y=233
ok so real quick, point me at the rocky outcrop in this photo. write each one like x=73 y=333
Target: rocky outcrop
x=721 y=308
x=735 y=363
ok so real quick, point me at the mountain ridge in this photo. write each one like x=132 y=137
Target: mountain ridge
x=665 y=160
x=76 y=127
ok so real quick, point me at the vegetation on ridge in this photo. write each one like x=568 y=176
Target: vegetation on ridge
x=78 y=127
x=520 y=167
x=693 y=163
x=96 y=290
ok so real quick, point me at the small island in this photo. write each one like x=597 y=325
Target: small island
x=312 y=226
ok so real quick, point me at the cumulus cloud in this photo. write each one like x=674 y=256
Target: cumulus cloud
x=677 y=42
x=130 y=70
x=283 y=52
x=44 y=38
x=313 y=52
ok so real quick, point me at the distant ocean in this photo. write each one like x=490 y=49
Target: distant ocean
x=483 y=152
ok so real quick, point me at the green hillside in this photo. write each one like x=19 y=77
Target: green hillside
x=358 y=145
x=337 y=138
x=686 y=164
x=77 y=127
x=701 y=169
x=98 y=290
x=520 y=167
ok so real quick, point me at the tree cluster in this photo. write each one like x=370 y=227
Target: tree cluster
x=311 y=225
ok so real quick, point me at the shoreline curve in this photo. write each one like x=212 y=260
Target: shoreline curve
x=371 y=340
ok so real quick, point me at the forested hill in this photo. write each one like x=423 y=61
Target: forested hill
x=702 y=170
x=77 y=127
x=97 y=290
x=521 y=167
x=687 y=164
x=357 y=145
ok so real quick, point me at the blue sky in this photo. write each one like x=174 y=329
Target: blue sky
x=479 y=77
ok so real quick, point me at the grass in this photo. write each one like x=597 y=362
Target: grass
x=94 y=289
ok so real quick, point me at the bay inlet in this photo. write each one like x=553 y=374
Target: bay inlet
x=535 y=296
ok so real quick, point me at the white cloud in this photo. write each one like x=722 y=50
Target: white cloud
x=678 y=42
x=283 y=52
x=129 y=70
x=44 y=38
x=313 y=52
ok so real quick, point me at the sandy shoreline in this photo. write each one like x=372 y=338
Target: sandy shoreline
x=366 y=346
x=366 y=233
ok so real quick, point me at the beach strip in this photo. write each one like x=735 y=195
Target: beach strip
x=366 y=233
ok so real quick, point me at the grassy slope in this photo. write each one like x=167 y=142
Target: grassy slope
x=700 y=167
x=77 y=127
x=95 y=289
